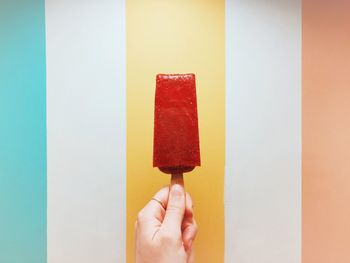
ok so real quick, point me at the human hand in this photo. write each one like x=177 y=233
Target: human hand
x=165 y=234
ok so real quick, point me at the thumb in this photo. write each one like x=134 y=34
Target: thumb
x=175 y=211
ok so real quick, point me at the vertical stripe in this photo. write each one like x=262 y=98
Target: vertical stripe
x=326 y=129
x=263 y=157
x=22 y=132
x=177 y=36
x=86 y=130
x=121 y=131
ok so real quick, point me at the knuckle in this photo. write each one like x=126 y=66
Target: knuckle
x=173 y=209
x=140 y=216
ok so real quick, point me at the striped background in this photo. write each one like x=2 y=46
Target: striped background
x=76 y=101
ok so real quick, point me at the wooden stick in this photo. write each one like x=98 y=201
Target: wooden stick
x=177 y=179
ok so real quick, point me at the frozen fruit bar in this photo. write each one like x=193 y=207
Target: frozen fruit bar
x=176 y=138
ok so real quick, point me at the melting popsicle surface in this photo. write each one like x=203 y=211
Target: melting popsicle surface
x=176 y=138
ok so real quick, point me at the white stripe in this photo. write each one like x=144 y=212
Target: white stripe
x=263 y=173
x=86 y=130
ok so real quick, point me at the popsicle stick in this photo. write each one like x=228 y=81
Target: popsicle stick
x=177 y=179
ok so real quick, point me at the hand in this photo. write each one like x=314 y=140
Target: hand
x=165 y=235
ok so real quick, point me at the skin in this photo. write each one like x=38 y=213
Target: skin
x=166 y=235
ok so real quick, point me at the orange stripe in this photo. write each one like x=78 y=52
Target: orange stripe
x=326 y=131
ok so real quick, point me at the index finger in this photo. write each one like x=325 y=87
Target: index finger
x=153 y=209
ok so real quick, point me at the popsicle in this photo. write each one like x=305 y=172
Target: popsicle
x=176 y=137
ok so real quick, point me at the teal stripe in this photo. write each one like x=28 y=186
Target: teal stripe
x=22 y=132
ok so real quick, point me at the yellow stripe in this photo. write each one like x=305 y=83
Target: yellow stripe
x=177 y=36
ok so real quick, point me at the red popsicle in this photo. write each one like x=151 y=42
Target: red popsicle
x=176 y=138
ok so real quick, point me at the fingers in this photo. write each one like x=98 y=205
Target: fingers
x=153 y=213
x=189 y=234
x=175 y=212
x=176 y=222
x=189 y=206
x=189 y=226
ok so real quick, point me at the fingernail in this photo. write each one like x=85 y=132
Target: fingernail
x=177 y=190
